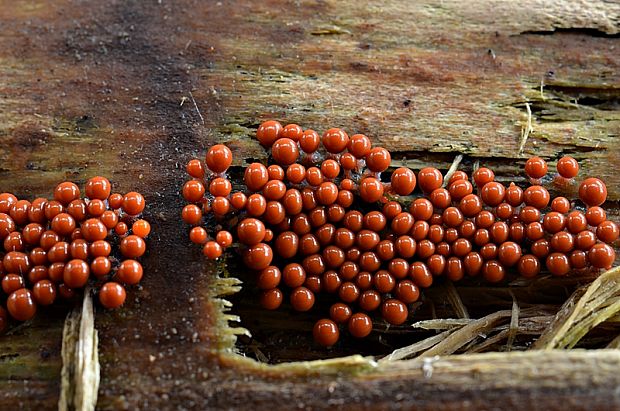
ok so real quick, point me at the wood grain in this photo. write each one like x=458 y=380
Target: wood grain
x=90 y=88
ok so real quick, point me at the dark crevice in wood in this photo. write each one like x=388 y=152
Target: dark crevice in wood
x=585 y=31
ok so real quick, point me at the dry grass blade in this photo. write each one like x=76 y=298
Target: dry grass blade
x=461 y=337
x=453 y=167
x=514 y=323
x=442 y=323
x=615 y=343
x=500 y=336
x=410 y=350
x=582 y=312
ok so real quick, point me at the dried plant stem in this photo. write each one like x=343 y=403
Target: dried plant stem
x=410 y=350
x=452 y=169
x=464 y=335
x=80 y=369
x=525 y=133
x=582 y=312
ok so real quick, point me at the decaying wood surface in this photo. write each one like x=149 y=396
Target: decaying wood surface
x=90 y=88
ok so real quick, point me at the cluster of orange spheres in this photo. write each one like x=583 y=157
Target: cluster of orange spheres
x=52 y=248
x=319 y=220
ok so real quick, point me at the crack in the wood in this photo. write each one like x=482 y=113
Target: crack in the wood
x=586 y=31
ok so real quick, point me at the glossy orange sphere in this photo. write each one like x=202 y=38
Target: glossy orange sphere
x=371 y=189
x=429 y=179
x=568 y=167
x=112 y=295
x=133 y=202
x=335 y=140
x=285 y=151
x=268 y=132
x=98 y=188
x=593 y=192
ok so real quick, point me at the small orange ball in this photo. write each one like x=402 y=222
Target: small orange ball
x=302 y=299
x=536 y=196
x=371 y=189
x=93 y=229
x=212 y=250
x=292 y=131
x=268 y=132
x=100 y=267
x=536 y=167
x=429 y=179
x=63 y=224
x=359 y=145
x=98 y=188
x=224 y=239
x=601 y=256
x=325 y=332
x=335 y=140
x=296 y=173
x=483 y=176
x=21 y=305
x=219 y=158
x=403 y=181
x=251 y=231
x=256 y=176
x=198 y=235
x=115 y=201
x=141 y=228
x=220 y=187
x=359 y=325
x=568 y=167
x=394 y=311
x=258 y=257
x=271 y=299
x=378 y=159
x=76 y=273
x=66 y=192
x=593 y=192
x=132 y=246
x=44 y=292
x=558 y=264
x=238 y=200
x=327 y=193
x=129 y=272
x=285 y=151
x=133 y=202
x=220 y=206
x=109 y=219
x=309 y=141
x=493 y=271
x=195 y=168
x=112 y=295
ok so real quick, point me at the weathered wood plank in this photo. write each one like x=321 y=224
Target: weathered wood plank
x=89 y=88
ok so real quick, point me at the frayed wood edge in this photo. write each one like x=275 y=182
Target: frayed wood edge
x=80 y=360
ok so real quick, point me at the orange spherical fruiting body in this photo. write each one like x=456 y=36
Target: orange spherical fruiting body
x=268 y=132
x=133 y=202
x=593 y=192
x=285 y=151
x=112 y=295
x=219 y=158
x=536 y=167
x=98 y=188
